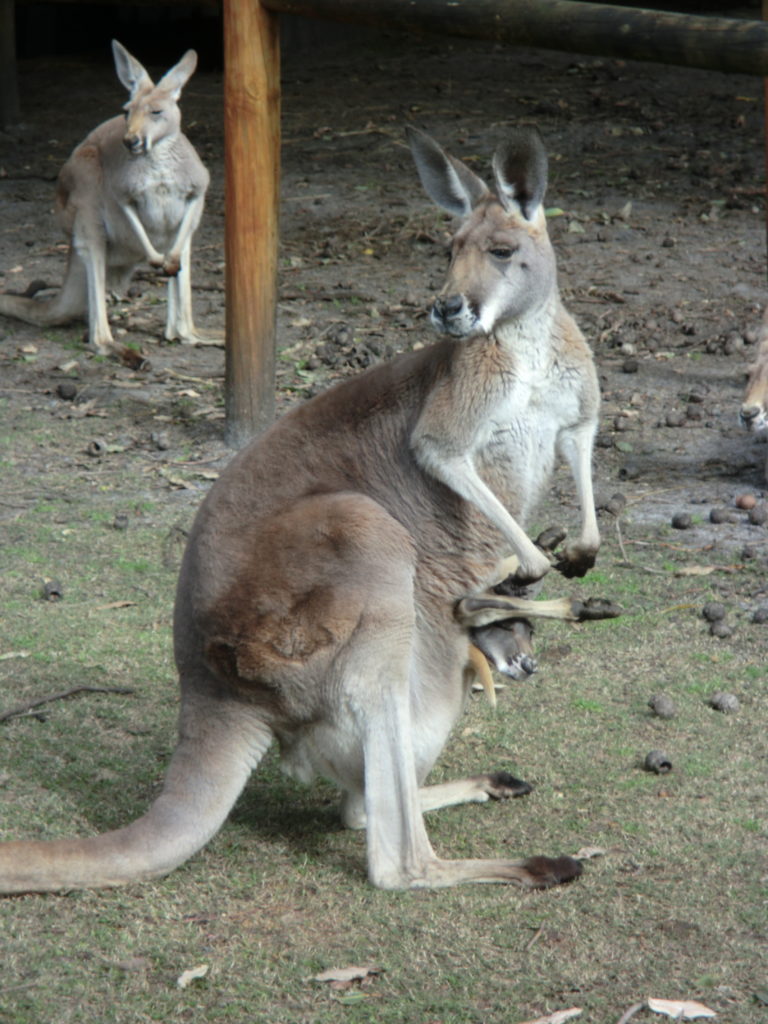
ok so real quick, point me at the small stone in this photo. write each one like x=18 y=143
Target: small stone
x=662 y=705
x=657 y=761
x=160 y=440
x=746 y=501
x=713 y=611
x=630 y=366
x=698 y=393
x=734 y=344
x=615 y=504
x=629 y=471
x=682 y=521
x=725 y=702
x=675 y=418
x=67 y=390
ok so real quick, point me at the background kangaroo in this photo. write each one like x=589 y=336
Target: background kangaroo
x=335 y=568
x=134 y=189
x=754 y=408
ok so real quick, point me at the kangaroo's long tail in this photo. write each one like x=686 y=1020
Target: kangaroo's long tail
x=219 y=745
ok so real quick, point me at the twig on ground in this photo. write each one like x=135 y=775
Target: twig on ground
x=535 y=937
x=631 y=1012
x=626 y=563
x=23 y=709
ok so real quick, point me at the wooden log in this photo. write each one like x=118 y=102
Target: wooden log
x=718 y=44
x=252 y=171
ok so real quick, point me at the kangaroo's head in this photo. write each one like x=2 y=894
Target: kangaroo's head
x=502 y=264
x=152 y=112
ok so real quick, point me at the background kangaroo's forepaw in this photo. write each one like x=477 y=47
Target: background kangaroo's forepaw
x=171 y=266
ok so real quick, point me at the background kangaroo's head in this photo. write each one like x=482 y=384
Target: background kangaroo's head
x=502 y=263
x=152 y=113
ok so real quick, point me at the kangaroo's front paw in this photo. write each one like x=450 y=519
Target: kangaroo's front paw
x=531 y=569
x=171 y=266
x=575 y=561
x=550 y=538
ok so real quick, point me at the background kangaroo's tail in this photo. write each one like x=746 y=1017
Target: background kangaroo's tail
x=219 y=745
x=69 y=303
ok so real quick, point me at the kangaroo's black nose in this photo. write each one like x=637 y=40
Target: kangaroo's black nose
x=449 y=306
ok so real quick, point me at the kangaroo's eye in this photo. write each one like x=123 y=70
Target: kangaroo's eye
x=156 y=113
x=502 y=252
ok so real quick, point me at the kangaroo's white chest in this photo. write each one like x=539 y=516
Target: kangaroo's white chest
x=518 y=448
x=158 y=197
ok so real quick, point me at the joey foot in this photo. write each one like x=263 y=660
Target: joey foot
x=595 y=608
x=502 y=785
x=548 y=871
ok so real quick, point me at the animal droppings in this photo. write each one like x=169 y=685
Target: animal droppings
x=662 y=705
x=725 y=702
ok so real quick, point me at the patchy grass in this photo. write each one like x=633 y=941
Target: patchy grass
x=675 y=909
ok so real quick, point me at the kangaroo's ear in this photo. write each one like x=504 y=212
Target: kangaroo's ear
x=446 y=180
x=175 y=79
x=130 y=71
x=520 y=169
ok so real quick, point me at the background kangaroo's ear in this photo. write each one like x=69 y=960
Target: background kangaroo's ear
x=131 y=72
x=520 y=169
x=446 y=180
x=175 y=79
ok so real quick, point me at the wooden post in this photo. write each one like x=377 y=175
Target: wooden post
x=252 y=169
x=9 y=93
x=765 y=137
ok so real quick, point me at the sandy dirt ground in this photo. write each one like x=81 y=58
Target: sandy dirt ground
x=656 y=211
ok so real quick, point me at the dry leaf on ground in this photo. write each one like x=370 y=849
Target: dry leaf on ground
x=680 y=1010
x=346 y=975
x=558 y=1017
x=193 y=974
x=588 y=852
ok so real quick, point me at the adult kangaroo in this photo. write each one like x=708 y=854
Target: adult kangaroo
x=133 y=190
x=336 y=567
x=754 y=407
